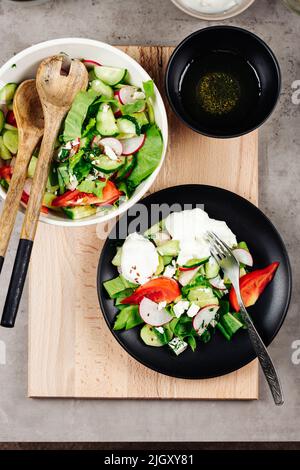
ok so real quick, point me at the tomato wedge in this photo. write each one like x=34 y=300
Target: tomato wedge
x=161 y=289
x=6 y=172
x=110 y=194
x=252 y=286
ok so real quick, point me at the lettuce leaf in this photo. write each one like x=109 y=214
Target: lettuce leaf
x=77 y=114
x=128 y=318
x=148 y=157
x=116 y=286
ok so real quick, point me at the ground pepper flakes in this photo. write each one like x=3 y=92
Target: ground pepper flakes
x=219 y=92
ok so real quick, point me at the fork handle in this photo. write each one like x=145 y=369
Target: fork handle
x=263 y=357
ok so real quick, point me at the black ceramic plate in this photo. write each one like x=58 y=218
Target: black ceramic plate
x=218 y=357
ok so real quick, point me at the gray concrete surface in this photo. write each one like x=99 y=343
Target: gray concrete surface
x=159 y=22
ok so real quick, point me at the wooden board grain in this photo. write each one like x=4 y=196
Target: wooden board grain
x=71 y=350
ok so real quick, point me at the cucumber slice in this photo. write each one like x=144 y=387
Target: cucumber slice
x=150 y=232
x=2 y=120
x=243 y=272
x=102 y=89
x=130 y=162
x=194 y=263
x=110 y=75
x=79 y=212
x=202 y=296
x=243 y=245
x=141 y=118
x=128 y=125
x=170 y=248
x=117 y=259
x=167 y=260
x=149 y=336
x=8 y=91
x=4 y=152
x=212 y=268
x=105 y=164
x=11 y=141
x=92 y=75
x=160 y=267
x=231 y=323
x=9 y=127
x=106 y=123
x=224 y=331
x=32 y=167
x=47 y=201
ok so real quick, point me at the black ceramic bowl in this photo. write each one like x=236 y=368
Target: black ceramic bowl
x=235 y=44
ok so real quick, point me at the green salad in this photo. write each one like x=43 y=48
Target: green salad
x=170 y=286
x=109 y=143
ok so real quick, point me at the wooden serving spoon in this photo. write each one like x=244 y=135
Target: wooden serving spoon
x=57 y=91
x=30 y=121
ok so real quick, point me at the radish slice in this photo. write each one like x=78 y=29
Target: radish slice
x=134 y=144
x=112 y=143
x=243 y=256
x=91 y=63
x=117 y=95
x=118 y=112
x=185 y=277
x=218 y=283
x=152 y=314
x=27 y=186
x=127 y=94
x=204 y=318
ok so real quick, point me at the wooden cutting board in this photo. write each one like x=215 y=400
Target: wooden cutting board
x=71 y=350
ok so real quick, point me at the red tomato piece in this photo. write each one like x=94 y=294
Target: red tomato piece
x=161 y=289
x=252 y=286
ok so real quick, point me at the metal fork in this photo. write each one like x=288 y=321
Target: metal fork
x=230 y=266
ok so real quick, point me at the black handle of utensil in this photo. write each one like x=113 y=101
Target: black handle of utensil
x=17 y=282
x=1 y=263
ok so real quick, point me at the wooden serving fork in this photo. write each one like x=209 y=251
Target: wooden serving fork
x=57 y=91
x=30 y=121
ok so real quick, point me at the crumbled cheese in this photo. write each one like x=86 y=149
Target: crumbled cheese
x=110 y=153
x=181 y=307
x=193 y=310
x=91 y=177
x=68 y=146
x=170 y=270
x=178 y=345
x=160 y=330
x=162 y=305
x=73 y=182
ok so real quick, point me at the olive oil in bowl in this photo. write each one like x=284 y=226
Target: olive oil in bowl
x=220 y=89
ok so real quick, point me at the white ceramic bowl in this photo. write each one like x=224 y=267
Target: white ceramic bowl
x=24 y=65
x=237 y=10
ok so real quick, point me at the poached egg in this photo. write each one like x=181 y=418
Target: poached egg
x=139 y=259
x=189 y=227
